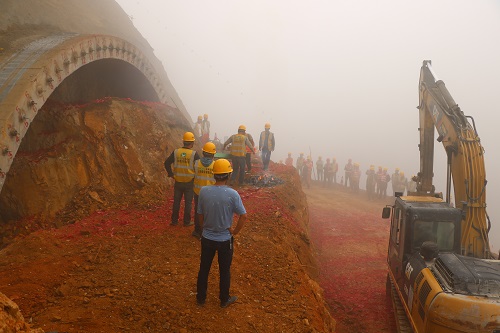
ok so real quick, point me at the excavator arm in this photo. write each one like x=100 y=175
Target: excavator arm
x=465 y=157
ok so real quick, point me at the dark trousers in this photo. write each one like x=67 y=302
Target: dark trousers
x=197 y=226
x=186 y=190
x=238 y=169
x=348 y=178
x=225 y=257
x=266 y=157
x=248 y=159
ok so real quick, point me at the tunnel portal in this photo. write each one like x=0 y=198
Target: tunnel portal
x=69 y=68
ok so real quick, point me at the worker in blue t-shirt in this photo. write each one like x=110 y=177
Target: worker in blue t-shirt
x=216 y=206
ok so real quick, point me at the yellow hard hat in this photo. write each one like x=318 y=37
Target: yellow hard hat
x=188 y=136
x=205 y=116
x=397 y=169
x=289 y=153
x=242 y=128
x=372 y=167
x=200 y=117
x=267 y=125
x=385 y=169
x=301 y=154
x=209 y=147
x=402 y=173
x=222 y=166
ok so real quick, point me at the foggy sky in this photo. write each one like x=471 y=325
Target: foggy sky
x=334 y=78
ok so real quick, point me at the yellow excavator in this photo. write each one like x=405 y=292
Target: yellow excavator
x=442 y=276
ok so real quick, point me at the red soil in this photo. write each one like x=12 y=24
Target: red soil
x=351 y=241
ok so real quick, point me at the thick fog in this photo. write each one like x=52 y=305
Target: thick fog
x=334 y=78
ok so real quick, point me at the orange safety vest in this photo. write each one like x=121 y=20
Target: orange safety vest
x=183 y=165
x=238 y=145
x=203 y=176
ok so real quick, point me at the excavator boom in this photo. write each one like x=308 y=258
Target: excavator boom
x=465 y=157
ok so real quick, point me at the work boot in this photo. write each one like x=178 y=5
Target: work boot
x=188 y=224
x=229 y=301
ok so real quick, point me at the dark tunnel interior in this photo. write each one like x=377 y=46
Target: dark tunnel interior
x=105 y=78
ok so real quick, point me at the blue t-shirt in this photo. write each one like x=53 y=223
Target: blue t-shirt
x=218 y=204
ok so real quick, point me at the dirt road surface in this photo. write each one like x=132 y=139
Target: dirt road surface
x=350 y=238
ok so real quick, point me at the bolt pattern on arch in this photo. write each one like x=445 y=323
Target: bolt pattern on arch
x=30 y=76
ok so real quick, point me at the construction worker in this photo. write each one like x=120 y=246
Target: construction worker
x=203 y=176
x=197 y=128
x=335 y=167
x=205 y=129
x=216 y=207
x=319 y=168
x=300 y=163
x=266 y=145
x=289 y=160
x=395 y=181
x=403 y=182
x=183 y=160
x=348 y=171
x=378 y=179
x=371 y=179
x=384 y=180
x=307 y=171
x=328 y=173
x=238 y=152
x=249 y=152
x=355 y=177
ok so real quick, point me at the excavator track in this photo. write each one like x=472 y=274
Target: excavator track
x=402 y=323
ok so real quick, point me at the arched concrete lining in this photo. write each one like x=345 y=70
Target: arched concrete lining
x=29 y=77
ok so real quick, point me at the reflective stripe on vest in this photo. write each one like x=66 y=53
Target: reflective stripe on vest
x=183 y=165
x=203 y=176
x=238 y=145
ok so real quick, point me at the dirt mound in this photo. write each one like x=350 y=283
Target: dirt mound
x=113 y=264
x=77 y=159
x=11 y=319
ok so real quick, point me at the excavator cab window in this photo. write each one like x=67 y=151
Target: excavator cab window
x=396 y=225
x=440 y=232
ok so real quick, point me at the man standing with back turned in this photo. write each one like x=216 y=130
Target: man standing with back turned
x=238 y=142
x=216 y=206
x=266 y=145
x=183 y=160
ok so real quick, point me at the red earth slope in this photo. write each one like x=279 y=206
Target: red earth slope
x=351 y=242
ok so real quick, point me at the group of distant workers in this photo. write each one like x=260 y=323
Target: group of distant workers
x=376 y=181
x=205 y=180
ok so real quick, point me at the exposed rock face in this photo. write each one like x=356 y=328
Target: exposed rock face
x=11 y=319
x=76 y=159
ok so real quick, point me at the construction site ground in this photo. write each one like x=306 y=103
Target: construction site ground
x=95 y=251
x=128 y=270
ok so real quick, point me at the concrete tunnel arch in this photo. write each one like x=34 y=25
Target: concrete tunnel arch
x=58 y=66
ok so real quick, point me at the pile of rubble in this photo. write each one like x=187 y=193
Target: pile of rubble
x=265 y=180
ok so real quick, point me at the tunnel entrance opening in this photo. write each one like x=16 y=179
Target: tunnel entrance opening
x=103 y=78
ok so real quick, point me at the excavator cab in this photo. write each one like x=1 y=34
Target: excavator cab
x=416 y=220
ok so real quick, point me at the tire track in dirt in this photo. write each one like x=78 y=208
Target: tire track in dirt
x=350 y=239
